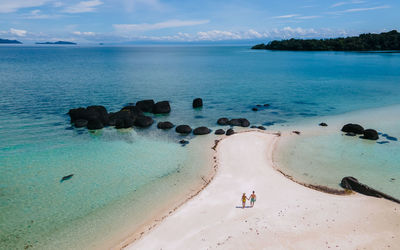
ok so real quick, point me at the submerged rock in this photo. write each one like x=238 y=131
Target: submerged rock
x=323 y=124
x=354 y=128
x=183 y=129
x=219 y=132
x=223 y=121
x=254 y=109
x=67 y=177
x=145 y=105
x=230 y=132
x=197 y=103
x=201 y=131
x=161 y=108
x=261 y=128
x=370 y=134
x=165 y=125
x=296 y=132
x=183 y=142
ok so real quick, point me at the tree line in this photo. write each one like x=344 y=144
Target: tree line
x=364 y=42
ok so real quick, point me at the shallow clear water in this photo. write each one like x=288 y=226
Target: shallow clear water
x=115 y=170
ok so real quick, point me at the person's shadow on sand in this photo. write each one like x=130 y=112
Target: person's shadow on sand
x=244 y=207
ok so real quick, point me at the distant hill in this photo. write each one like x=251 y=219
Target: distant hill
x=364 y=42
x=6 y=41
x=59 y=43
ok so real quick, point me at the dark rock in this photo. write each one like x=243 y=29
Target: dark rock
x=84 y=114
x=242 y=122
x=370 y=134
x=122 y=119
x=383 y=142
x=145 y=105
x=296 y=132
x=133 y=110
x=201 y=131
x=267 y=105
x=101 y=111
x=354 y=128
x=80 y=123
x=323 y=124
x=253 y=126
x=183 y=129
x=352 y=183
x=230 y=132
x=219 y=132
x=143 y=121
x=183 y=142
x=254 y=109
x=67 y=177
x=258 y=105
x=197 y=103
x=165 y=125
x=94 y=124
x=223 y=121
x=161 y=108
x=262 y=128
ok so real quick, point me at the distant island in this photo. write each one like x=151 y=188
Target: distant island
x=59 y=43
x=364 y=42
x=6 y=41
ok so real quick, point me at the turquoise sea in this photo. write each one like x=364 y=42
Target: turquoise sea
x=123 y=178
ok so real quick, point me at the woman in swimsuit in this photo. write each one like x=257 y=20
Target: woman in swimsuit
x=252 y=199
x=244 y=198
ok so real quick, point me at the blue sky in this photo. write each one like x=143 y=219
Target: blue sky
x=115 y=21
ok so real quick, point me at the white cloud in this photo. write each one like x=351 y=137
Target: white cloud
x=346 y=3
x=286 y=16
x=365 y=9
x=307 y=17
x=8 y=6
x=37 y=14
x=157 y=26
x=18 y=32
x=84 y=6
x=87 y=33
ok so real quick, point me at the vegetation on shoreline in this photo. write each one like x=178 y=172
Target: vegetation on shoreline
x=6 y=41
x=364 y=42
x=59 y=43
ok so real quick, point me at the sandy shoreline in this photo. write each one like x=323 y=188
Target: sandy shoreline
x=286 y=215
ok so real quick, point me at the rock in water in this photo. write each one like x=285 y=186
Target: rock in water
x=145 y=105
x=197 y=103
x=352 y=183
x=161 y=108
x=370 y=134
x=223 y=121
x=323 y=124
x=219 y=132
x=230 y=132
x=143 y=121
x=183 y=142
x=254 y=109
x=354 y=128
x=183 y=129
x=101 y=113
x=80 y=123
x=165 y=125
x=94 y=124
x=261 y=128
x=242 y=122
x=67 y=177
x=201 y=131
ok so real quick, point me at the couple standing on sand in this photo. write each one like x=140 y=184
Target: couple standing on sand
x=252 y=199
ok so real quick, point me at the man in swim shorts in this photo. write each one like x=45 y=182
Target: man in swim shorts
x=252 y=199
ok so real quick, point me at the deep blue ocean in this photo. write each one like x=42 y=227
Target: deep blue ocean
x=39 y=84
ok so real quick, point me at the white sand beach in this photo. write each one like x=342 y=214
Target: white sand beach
x=286 y=215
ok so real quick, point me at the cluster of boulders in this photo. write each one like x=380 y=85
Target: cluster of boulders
x=240 y=122
x=355 y=129
x=97 y=117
